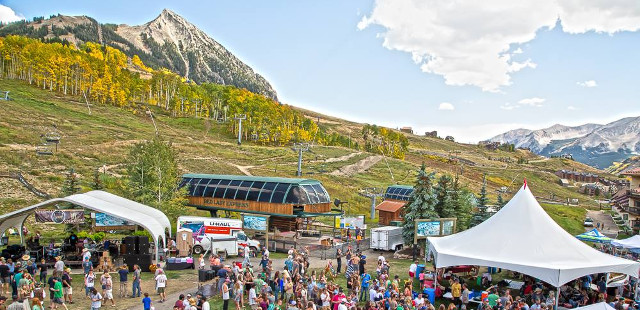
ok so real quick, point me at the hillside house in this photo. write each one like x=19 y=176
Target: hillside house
x=633 y=205
x=575 y=176
x=432 y=134
x=395 y=199
x=406 y=130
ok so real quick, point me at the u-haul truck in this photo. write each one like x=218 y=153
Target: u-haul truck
x=216 y=232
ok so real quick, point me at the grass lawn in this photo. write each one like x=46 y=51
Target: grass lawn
x=568 y=217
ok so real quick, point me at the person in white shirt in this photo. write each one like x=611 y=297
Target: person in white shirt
x=253 y=302
x=372 y=293
x=419 y=301
x=205 y=304
x=161 y=282
x=343 y=304
x=412 y=270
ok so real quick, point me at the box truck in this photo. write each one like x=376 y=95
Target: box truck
x=215 y=234
x=386 y=238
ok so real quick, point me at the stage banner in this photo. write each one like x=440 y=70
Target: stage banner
x=60 y=216
x=255 y=222
x=108 y=222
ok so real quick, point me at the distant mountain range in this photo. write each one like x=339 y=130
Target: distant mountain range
x=592 y=144
x=169 y=41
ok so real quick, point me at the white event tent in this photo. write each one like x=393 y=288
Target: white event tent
x=632 y=242
x=598 y=306
x=522 y=237
x=153 y=220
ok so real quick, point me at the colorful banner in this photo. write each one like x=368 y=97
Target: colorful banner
x=350 y=222
x=103 y=219
x=60 y=216
x=427 y=229
x=255 y=222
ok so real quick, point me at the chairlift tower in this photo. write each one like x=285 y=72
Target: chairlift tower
x=239 y=118
x=300 y=147
x=372 y=193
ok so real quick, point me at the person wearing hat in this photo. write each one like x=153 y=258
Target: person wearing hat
x=86 y=260
x=343 y=304
x=124 y=277
x=66 y=285
x=161 y=283
x=107 y=288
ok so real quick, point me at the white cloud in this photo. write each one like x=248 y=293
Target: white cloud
x=517 y=51
x=532 y=102
x=572 y=108
x=468 y=42
x=7 y=15
x=589 y=83
x=446 y=106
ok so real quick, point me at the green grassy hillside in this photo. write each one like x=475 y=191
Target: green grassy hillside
x=102 y=139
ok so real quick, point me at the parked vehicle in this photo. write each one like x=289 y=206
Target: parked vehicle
x=386 y=238
x=215 y=233
x=588 y=222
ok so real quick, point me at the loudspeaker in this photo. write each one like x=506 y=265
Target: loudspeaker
x=202 y=275
x=130 y=260
x=130 y=249
x=144 y=261
x=142 y=239
x=129 y=240
x=142 y=248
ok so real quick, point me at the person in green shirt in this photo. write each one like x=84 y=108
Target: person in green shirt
x=493 y=297
x=57 y=294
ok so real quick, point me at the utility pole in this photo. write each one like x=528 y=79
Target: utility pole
x=239 y=118
x=300 y=147
x=372 y=193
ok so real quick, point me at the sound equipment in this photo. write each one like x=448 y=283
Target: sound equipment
x=142 y=260
x=113 y=250
x=130 y=249
x=129 y=240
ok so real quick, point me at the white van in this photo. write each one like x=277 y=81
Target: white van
x=206 y=230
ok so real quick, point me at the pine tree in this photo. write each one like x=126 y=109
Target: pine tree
x=445 y=206
x=481 y=215
x=70 y=185
x=463 y=202
x=97 y=182
x=500 y=201
x=421 y=204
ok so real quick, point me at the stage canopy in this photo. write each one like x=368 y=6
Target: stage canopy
x=632 y=242
x=153 y=220
x=594 y=236
x=523 y=238
x=598 y=306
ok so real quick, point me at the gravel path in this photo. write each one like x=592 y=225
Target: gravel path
x=610 y=227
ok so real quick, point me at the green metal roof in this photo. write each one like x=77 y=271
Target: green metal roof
x=252 y=178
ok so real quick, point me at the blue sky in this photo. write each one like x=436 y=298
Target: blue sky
x=317 y=57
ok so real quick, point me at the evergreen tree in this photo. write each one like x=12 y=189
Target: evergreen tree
x=445 y=207
x=482 y=200
x=463 y=202
x=97 y=182
x=481 y=215
x=70 y=185
x=500 y=200
x=421 y=204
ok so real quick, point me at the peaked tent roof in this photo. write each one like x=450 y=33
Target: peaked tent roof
x=598 y=306
x=632 y=242
x=594 y=236
x=151 y=219
x=523 y=238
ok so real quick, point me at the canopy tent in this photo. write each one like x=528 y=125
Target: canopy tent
x=632 y=242
x=594 y=236
x=523 y=238
x=598 y=306
x=151 y=219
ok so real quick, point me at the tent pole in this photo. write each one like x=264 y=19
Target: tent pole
x=557 y=297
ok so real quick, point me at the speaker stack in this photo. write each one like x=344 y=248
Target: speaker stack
x=136 y=249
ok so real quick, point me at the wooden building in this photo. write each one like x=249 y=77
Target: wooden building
x=283 y=199
x=395 y=198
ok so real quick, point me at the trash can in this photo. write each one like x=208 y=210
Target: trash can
x=431 y=294
x=419 y=270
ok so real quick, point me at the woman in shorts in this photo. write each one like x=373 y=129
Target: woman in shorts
x=107 y=288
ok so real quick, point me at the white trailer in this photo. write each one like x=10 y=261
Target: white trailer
x=386 y=238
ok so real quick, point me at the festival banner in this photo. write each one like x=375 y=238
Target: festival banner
x=60 y=216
